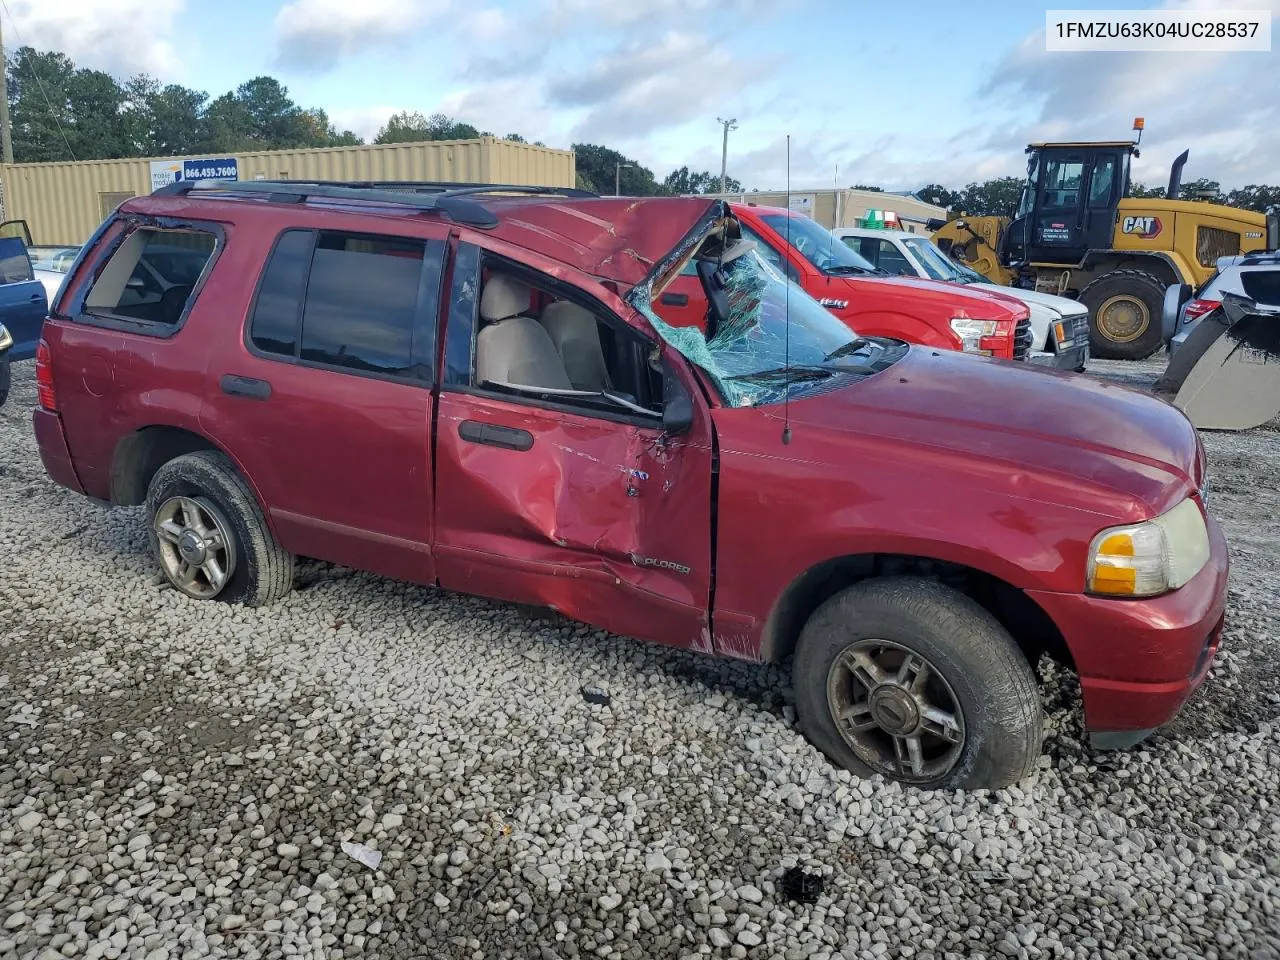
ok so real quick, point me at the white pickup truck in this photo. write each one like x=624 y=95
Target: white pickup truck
x=1059 y=326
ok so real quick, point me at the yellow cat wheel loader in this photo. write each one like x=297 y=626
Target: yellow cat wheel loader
x=1078 y=233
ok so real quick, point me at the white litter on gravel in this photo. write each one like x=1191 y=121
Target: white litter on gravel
x=183 y=779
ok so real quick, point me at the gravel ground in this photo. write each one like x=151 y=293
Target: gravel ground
x=177 y=778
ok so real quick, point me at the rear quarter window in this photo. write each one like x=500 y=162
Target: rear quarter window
x=1262 y=286
x=149 y=280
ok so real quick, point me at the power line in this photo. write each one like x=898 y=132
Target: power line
x=39 y=83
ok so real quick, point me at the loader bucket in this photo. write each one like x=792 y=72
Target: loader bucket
x=1226 y=376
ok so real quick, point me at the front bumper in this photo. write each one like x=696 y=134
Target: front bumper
x=1139 y=660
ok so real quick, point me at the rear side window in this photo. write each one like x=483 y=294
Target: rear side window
x=151 y=276
x=353 y=301
x=1262 y=286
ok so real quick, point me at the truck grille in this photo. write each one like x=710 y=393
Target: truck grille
x=1022 y=339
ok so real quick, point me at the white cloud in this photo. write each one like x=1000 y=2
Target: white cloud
x=505 y=106
x=320 y=34
x=100 y=34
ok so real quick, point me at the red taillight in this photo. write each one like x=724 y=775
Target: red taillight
x=1198 y=308
x=44 y=378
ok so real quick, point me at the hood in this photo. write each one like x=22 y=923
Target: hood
x=613 y=238
x=1063 y=306
x=965 y=300
x=1038 y=433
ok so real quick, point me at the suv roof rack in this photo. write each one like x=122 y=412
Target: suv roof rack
x=452 y=199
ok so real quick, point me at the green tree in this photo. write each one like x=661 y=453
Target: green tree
x=597 y=165
x=39 y=106
x=867 y=186
x=992 y=198
x=1143 y=192
x=938 y=195
x=682 y=181
x=1256 y=196
x=406 y=127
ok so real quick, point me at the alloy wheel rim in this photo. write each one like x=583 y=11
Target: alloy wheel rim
x=1123 y=318
x=196 y=550
x=895 y=710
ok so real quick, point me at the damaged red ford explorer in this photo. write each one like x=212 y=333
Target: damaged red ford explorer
x=915 y=528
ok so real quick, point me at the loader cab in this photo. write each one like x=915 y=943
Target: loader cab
x=1069 y=202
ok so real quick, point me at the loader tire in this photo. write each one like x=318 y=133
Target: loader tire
x=1125 y=307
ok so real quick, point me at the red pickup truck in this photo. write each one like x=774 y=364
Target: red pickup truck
x=872 y=302
x=473 y=392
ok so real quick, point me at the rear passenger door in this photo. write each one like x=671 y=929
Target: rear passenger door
x=327 y=404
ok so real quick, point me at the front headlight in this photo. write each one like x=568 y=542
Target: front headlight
x=971 y=333
x=1150 y=558
x=6 y=338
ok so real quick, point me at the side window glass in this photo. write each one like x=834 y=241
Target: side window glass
x=15 y=264
x=150 y=277
x=1062 y=183
x=464 y=301
x=353 y=301
x=1100 y=185
x=869 y=247
x=891 y=259
x=277 y=314
x=360 y=302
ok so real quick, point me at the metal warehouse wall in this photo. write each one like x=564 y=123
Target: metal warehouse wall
x=63 y=203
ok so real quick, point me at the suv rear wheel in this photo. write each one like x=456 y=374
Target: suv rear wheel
x=209 y=535
x=913 y=680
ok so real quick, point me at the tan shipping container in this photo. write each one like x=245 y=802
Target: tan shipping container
x=63 y=203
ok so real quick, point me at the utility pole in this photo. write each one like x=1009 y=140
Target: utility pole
x=6 y=135
x=724 y=151
x=617 y=177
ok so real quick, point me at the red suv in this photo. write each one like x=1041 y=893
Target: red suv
x=472 y=390
x=873 y=303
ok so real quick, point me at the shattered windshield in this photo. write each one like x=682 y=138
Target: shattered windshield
x=749 y=357
x=817 y=245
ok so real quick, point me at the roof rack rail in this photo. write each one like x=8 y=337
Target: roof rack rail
x=452 y=199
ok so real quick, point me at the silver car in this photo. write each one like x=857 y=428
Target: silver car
x=1252 y=275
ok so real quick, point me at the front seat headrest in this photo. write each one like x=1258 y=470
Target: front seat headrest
x=504 y=297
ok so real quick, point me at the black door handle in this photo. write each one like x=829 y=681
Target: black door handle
x=495 y=435
x=36 y=298
x=676 y=299
x=245 y=387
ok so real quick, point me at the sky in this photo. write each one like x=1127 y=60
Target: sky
x=892 y=94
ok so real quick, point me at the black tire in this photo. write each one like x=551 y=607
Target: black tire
x=262 y=571
x=1144 y=288
x=989 y=679
x=5 y=376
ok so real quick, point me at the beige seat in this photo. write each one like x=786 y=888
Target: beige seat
x=576 y=336
x=511 y=348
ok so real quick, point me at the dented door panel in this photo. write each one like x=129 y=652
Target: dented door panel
x=604 y=521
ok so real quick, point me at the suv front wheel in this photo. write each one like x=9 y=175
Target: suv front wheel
x=913 y=680
x=209 y=535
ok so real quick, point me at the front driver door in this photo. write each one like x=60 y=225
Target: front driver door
x=23 y=301
x=556 y=501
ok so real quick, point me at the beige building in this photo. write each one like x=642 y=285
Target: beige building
x=63 y=203
x=847 y=208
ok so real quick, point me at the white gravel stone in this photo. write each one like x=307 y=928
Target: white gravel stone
x=186 y=774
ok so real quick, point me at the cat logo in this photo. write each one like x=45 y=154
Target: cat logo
x=1145 y=227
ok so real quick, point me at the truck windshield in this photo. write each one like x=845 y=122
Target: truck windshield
x=753 y=358
x=817 y=245
x=938 y=265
